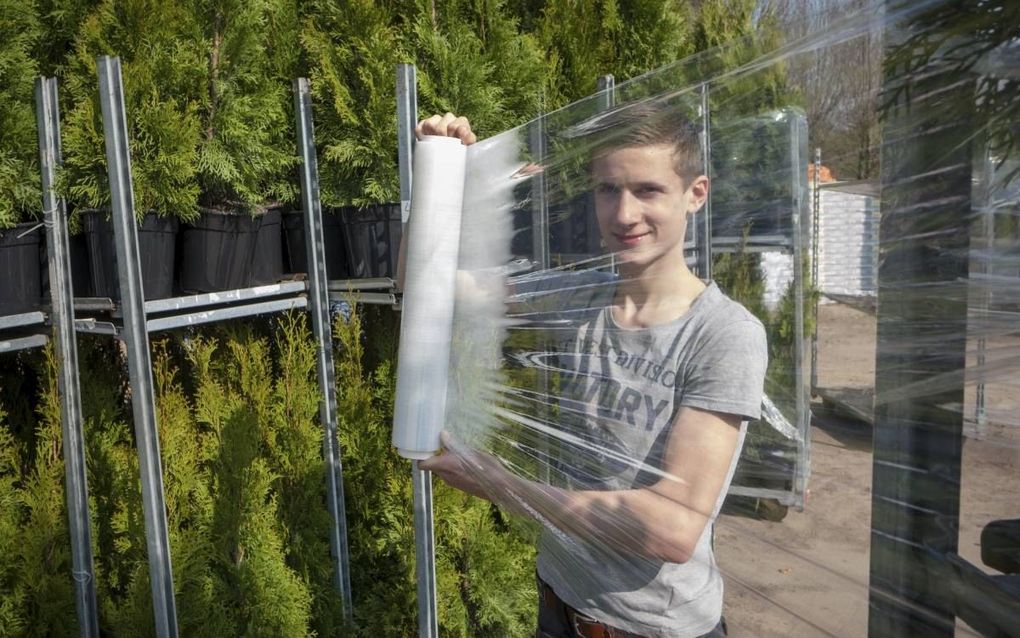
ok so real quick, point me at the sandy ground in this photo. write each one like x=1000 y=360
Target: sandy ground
x=808 y=574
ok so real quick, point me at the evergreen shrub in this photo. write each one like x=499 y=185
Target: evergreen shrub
x=484 y=565
x=163 y=123
x=19 y=151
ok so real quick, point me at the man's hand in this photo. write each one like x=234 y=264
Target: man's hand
x=449 y=125
x=466 y=469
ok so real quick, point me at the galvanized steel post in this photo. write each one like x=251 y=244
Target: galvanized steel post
x=318 y=297
x=703 y=234
x=66 y=343
x=136 y=336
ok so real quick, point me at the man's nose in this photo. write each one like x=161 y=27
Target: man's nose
x=628 y=209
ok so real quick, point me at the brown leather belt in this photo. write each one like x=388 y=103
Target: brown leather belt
x=583 y=626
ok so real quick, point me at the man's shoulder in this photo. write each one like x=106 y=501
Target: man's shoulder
x=726 y=314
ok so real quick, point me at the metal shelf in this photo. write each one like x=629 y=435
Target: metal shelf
x=22 y=320
x=22 y=343
x=193 y=310
x=18 y=324
x=378 y=290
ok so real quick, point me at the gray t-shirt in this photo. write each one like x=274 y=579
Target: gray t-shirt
x=620 y=391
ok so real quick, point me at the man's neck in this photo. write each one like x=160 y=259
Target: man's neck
x=646 y=299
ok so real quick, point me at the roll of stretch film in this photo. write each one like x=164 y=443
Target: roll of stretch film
x=429 y=289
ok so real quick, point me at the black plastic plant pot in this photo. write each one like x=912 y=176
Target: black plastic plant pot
x=332 y=237
x=217 y=252
x=157 y=240
x=20 y=261
x=373 y=239
x=267 y=265
x=81 y=281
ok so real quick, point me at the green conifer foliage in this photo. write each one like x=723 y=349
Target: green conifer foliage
x=484 y=567
x=293 y=443
x=586 y=39
x=244 y=483
x=472 y=59
x=353 y=51
x=19 y=152
x=243 y=102
x=250 y=579
x=36 y=586
x=59 y=20
x=12 y=615
x=163 y=124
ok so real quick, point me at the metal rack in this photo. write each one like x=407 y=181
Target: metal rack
x=132 y=320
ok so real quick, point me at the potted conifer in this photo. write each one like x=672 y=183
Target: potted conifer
x=163 y=130
x=20 y=233
x=353 y=50
x=241 y=84
x=492 y=73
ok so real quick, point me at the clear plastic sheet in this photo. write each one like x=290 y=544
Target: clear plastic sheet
x=612 y=404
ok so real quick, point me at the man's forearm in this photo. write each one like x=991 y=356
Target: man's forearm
x=643 y=521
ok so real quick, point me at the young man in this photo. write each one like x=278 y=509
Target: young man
x=660 y=373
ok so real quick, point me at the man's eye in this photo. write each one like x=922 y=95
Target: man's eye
x=607 y=189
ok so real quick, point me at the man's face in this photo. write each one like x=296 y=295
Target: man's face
x=642 y=207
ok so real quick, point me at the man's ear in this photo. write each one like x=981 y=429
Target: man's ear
x=699 y=193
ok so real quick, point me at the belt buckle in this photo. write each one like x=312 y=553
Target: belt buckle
x=577 y=618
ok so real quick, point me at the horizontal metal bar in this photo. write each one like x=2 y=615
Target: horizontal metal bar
x=377 y=298
x=227 y=296
x=221 y=314
x=772 y=240
x=768 y=248
x=375 y=283
x=21 y=343
x=94 y=304
x=23 y=319
x=96 y=327
x=785 y=497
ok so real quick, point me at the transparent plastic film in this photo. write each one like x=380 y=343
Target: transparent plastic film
x=718 y=372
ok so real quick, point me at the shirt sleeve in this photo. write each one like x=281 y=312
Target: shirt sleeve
x=727 y=374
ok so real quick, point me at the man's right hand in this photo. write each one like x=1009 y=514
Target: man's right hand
x=449 y=125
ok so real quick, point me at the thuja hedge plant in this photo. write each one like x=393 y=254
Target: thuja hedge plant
x=484 y=563
x=237 y=408
x=19 y=152
x=207 y=101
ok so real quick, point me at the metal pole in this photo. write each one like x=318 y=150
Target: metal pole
x=703 y=236
x=318 y=297
x=62 y=314
x=606 y=92
x=539 y=201
x=407 y=119
x=798 y=168
x=425 y=547
x=118 y=161
x=986 y=232
x=816 y=214
x=540 y=251
x=606 y=88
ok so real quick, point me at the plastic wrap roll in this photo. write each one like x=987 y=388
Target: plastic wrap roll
x=429 y=289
